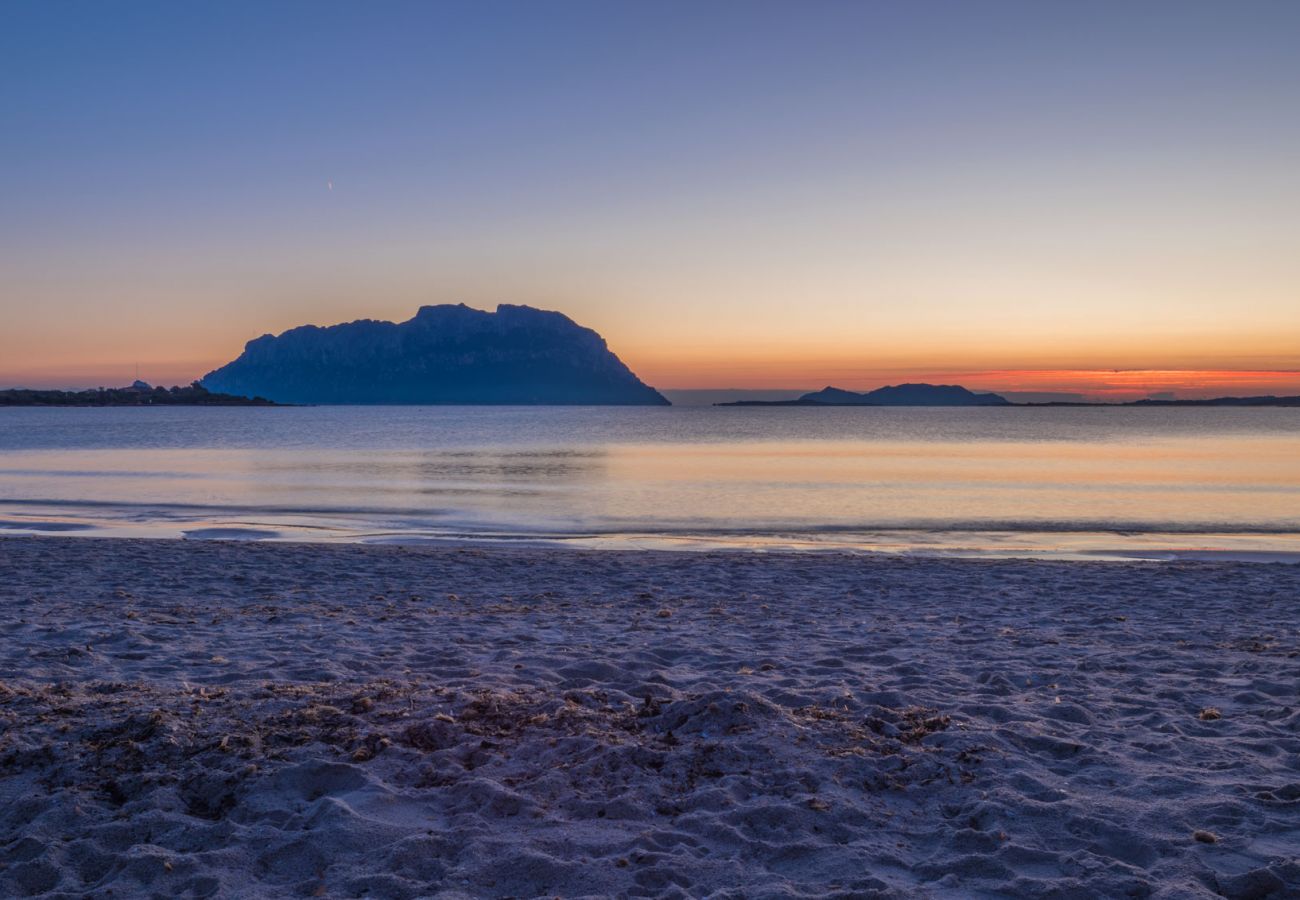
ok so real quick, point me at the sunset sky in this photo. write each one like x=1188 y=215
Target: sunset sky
x=1042 y=196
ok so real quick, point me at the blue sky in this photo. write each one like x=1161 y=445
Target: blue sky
x=733 y=193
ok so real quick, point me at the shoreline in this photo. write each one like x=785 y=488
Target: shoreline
x=216 y=718
x=1059 y=544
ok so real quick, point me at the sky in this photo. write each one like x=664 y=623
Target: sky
x=1097 y=197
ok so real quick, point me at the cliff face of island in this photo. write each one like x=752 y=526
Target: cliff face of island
x=444 y=355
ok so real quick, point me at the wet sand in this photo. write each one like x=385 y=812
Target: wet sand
x=241 y=719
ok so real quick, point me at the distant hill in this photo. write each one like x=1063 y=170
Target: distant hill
x=955 y=395
x=893 y=395
x=138 y=394
x=444 y=355
x=1267 y=400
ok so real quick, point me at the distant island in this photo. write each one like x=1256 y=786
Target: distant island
x=138 y=394
x=955 y=395
x=443 y=355
x=1267 y=400
x=893 y=395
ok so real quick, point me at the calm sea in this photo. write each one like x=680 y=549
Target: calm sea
x=1054 y=481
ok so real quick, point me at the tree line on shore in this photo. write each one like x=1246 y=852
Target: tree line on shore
x=138 y=394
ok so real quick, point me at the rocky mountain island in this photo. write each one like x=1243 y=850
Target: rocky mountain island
x=444 y=355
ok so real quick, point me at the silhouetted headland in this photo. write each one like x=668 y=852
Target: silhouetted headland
x=955 y=395
x=444 y=355
x=1267 y=400
x=893 y=395
x=138 y=394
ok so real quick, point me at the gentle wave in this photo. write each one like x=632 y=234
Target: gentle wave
x=366 y=522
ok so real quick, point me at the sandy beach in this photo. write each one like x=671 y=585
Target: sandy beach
x=257 y=720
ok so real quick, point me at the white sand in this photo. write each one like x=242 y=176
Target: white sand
x=223 y=719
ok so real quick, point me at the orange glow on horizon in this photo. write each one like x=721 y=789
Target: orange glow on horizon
x=1237 y=365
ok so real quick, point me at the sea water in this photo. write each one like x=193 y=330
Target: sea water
x=1055 y=481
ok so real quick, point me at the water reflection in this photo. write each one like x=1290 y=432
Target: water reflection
x=712 y=477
